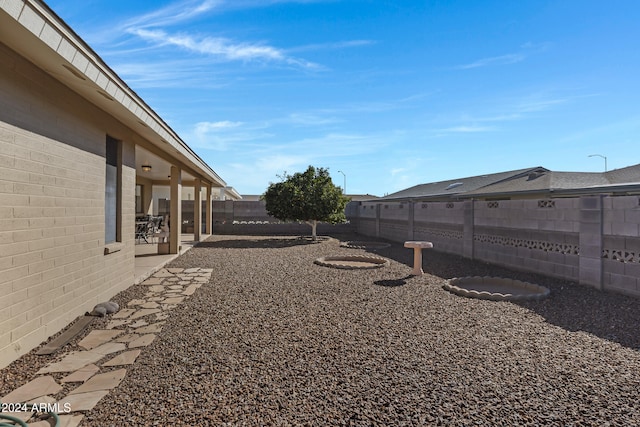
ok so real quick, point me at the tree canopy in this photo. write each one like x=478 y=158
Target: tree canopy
x=308 y=196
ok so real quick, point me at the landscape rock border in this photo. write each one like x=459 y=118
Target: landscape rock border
x=481 y=288
x=367 y=245
x=343 y=262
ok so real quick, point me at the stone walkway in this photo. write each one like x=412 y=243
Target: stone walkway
x=97 y=366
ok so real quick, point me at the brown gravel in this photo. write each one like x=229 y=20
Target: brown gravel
x=274 y=339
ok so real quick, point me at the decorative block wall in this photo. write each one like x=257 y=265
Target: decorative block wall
x=593 y=240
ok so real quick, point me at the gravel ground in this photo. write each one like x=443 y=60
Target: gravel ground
x=274 y=339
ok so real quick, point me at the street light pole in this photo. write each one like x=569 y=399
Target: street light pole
x=604 y=157
x=344 y=188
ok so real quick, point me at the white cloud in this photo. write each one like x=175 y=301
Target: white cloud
x=496 y=60
x=466 y=129
x=222 y=48
x=173 y=14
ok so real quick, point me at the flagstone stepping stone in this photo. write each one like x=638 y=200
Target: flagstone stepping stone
x=126 y=358
x=81 y=375
x=151 y=329
x=139 y=324
x=108 y=348
x=72 y=362
x=175 y=270
x=42 y=423
x=128 y=338
x=124 y=313
x=38 y=387
x=156 y=299
x=83 y=401
x=70 y=420
x=163 y=274
x=168 y=306
x=184 y=282
x=117 y=323
x=174 y=300
x=162 y=316
x=150 y=304
x=143 y=341
x=190 y=290
x=98 y=337
x=156 y=288
x=202 y=279
x=42 y=399
x=176 y=287
x=144 y=312
x=106 y=381
x=173 y=279
x=192 y=270
x=152 y=281
x=136 y=302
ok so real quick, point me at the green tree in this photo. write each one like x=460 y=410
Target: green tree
x=308 y=196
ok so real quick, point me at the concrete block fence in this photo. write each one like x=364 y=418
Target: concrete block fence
x=251 y=218
x=593 y=240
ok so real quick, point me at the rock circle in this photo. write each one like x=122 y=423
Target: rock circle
x=352 y=262
x=357 y=244
x=495 y=289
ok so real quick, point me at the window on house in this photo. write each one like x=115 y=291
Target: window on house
x=112 y=191
x=138 y=199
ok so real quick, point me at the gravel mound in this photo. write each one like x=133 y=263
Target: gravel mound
x=274 y=339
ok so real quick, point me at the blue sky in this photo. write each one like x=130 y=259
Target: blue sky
x=391 y=93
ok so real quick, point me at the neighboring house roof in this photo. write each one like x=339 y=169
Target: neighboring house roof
x=251 y=197
x=537 y=181
x=455 y=187
x=361 y=197
x=564 y=183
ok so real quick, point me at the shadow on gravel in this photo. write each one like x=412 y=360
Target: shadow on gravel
x=391 y=283
x=571 y=306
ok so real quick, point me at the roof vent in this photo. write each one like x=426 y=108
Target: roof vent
x=454 y=185
x=534 y=175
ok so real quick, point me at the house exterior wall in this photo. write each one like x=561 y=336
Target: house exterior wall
x=53 y=265
x=593 y=240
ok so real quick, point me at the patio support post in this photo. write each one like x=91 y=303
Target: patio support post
x=175 y=211
x=197 y=209
x=377 y=219
x=208 y=212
